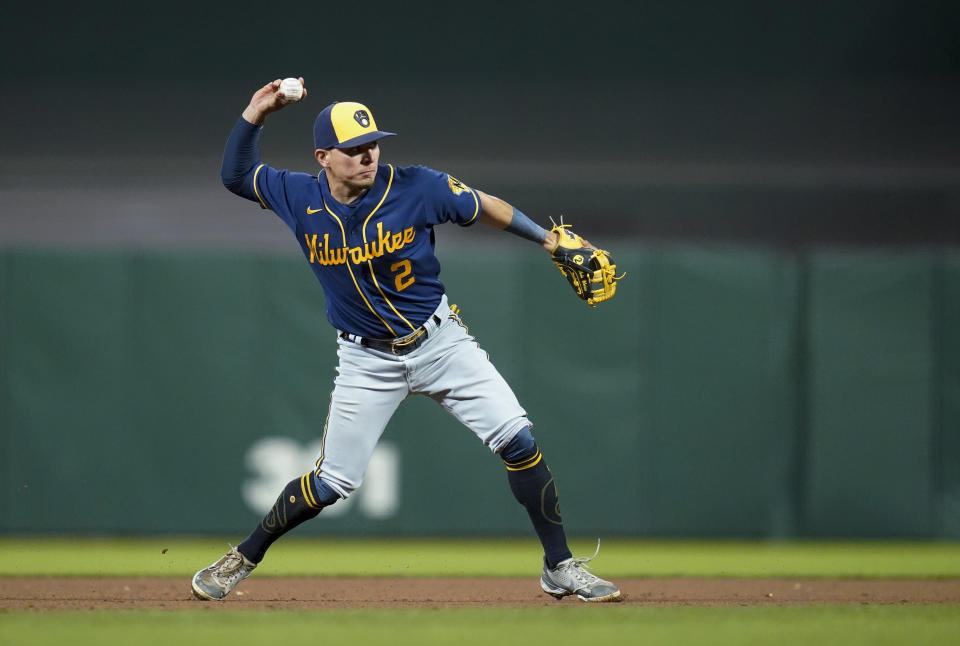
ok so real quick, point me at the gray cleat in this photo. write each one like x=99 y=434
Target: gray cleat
x=572 y=577
x=216 y=582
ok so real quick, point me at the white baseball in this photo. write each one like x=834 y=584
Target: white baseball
x=291 y=89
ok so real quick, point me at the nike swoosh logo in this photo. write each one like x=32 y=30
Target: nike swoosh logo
x=312 y=211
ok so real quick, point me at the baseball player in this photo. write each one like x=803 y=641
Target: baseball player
x=366 y=230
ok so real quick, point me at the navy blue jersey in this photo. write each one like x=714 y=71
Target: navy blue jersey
x=374 y=257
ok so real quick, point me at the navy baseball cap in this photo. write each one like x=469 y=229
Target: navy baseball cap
x=345 y=124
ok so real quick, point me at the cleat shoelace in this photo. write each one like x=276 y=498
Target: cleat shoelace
x=577 y=568
x=229 y=569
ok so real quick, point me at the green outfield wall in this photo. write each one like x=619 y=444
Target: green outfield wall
x=724 y=392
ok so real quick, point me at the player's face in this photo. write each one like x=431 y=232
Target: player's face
x=355 y=167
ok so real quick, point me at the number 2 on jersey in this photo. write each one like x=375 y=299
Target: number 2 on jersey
x=404 y=277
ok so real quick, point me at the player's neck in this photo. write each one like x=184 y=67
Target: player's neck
x=345 y=193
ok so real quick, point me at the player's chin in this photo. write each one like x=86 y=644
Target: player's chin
x=365 y=180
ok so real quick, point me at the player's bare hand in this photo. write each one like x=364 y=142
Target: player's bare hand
x=269 y=99
x=552 y=240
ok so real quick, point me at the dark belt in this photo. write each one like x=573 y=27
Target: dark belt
x=399 y=346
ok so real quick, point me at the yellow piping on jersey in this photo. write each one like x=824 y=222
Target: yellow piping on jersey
x=476 y=210
x=373 y=275
x=343 y=232
x=255 y=191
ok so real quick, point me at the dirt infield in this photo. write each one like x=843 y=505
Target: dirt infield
x=347 y=593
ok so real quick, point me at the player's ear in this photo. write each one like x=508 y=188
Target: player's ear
x=321 y=156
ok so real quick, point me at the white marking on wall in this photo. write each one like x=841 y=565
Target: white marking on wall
x=272 y=462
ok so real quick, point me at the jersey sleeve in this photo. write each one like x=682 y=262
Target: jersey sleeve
x=451 y=200
x=245 y=175
x=271 y=189
x=240 y=156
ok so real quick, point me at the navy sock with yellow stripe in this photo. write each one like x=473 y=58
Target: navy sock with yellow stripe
x=533 y=486
x=301 y=500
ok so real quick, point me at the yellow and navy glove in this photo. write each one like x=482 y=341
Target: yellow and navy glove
x=590 y=271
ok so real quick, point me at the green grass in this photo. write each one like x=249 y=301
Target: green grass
x=445 y=557
x=849 y=625
x=784 y=626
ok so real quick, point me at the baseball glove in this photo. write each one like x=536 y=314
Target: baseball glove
x=590 y=271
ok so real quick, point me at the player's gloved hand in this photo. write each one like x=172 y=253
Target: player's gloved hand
x=590 y=271
x=268 y=99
